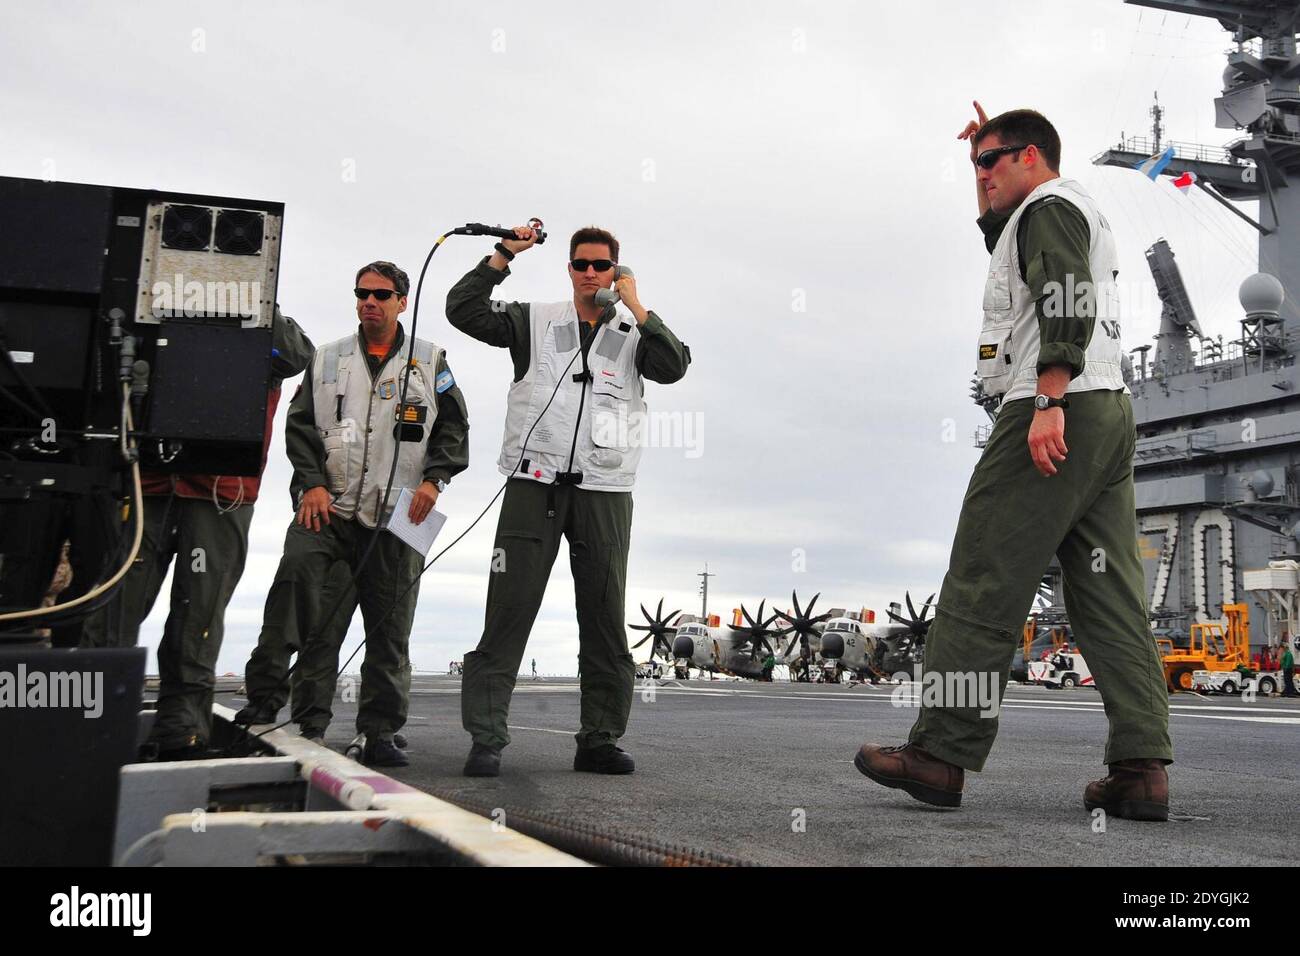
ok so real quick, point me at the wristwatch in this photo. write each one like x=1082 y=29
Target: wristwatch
x=1044 y=402
x=439 y=484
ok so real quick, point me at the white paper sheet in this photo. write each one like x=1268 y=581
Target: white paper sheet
x=418 y=536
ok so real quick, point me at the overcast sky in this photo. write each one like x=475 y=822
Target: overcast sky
x=785 y=181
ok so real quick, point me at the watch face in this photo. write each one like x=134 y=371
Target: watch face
x=1040 y=401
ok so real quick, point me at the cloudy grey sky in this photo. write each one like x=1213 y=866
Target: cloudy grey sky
x=784 y=178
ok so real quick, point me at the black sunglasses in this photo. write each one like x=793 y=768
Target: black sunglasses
x=381 y=295
x=600 y=265
x=989 y=158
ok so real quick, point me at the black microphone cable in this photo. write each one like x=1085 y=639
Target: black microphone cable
x=472 y=229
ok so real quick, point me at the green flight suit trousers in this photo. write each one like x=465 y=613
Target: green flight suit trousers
x=314 y=681
x=1013 y=519
x=598 y=526
x=387 y=590
x=210 y=547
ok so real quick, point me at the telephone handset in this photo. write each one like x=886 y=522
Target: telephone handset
x=605 y=297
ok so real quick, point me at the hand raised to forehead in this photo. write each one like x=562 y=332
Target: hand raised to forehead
x=971 y=128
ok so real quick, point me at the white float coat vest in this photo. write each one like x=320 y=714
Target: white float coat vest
x=1009 y=341
x=356 y=418
x=596 y=425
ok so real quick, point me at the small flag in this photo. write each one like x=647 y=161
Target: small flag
x=1185 y=181
x=1156 y=164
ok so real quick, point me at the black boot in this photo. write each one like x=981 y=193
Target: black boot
x=191 y=748
x=399 y=741
x=484 y=761
x=255 y=713
x=380 y=752
x=603 y=759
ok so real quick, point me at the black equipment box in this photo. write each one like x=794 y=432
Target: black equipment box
x=194 y=281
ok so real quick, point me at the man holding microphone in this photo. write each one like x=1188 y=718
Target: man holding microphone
x=579 y=367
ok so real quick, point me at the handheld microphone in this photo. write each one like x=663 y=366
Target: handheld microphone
x=606 y=297
x=480 y=229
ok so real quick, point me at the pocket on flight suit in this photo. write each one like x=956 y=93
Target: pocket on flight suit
x=336 y=439
x=613 y=432
x=516 y=562
x=995 y=364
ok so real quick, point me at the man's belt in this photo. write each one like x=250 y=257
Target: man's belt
x=561 y=478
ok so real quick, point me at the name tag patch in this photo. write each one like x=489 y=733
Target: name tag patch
x=988 y=352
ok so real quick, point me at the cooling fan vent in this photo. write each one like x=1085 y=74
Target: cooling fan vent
x=239 y=232
x=187 y=227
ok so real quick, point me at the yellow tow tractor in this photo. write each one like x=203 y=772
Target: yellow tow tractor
x=1210 y=648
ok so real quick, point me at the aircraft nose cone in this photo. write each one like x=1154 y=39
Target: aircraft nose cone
x=683 y=647
x=832 y=646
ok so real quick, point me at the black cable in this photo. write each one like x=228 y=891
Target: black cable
x=388 y=487
x=378 y=529
x=503 y=487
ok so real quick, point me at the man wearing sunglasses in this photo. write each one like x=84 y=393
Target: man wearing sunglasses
x=347 y=423
x=1050 y=359
x=571 y=457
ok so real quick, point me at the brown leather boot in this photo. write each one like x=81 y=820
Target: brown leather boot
x=1135 y=790
x=913 y=771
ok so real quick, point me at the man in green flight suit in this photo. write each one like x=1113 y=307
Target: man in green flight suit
x=350 y=427
x=202 y=521
x=1050 y=358
x=570 y=453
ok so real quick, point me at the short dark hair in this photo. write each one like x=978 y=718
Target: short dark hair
x=594 y=234
x=1025 y=126
x=400 y=280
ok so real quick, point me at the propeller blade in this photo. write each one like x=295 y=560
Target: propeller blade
x=647 y=614
x=910 y=608
x=640 y=627
x=642 y=641
x=659 y=610
x=794 y=596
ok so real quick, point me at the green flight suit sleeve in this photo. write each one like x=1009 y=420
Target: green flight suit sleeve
x=302 y=441
x=291 y=349
x=1053 y=239
x=991 y=224
x=471 y=309
x=447 y=452
x=660 y=356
